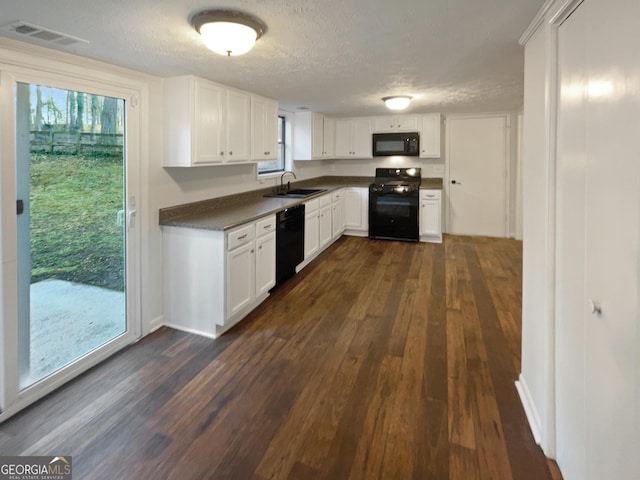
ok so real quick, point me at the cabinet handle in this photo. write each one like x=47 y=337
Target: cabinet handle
x=266 y=153
x=230 y=153
x=260 y=247
x=221 y=154
x=267 y=227
x=252 y=250
x=242 y=237
x=596 y=308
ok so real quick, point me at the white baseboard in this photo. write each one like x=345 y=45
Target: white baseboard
x=156 y=323
x=190 y=330
x=529 y=409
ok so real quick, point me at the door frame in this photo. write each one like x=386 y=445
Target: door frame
x=12 y=399
x=507 y=166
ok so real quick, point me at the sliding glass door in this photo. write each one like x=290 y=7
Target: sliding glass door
x=74 y=228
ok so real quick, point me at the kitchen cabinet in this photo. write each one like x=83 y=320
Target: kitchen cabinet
x=237 y=126
x=325 y=225
x=264 y=129
x=208 y=123
x=356 y=211
x=430 y=135
x=337 y=217
x=313 y=136
x=353 y=138
x=431 y=216
x=395 y=123
x=213 y=279
x=311 y=228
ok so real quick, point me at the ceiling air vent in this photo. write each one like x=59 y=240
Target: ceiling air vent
x=22 y=29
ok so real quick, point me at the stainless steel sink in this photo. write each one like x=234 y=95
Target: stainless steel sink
x=297 y=193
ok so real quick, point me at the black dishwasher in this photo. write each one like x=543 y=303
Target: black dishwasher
x=289 y=242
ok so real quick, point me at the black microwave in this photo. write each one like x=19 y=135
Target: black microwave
x=386 y=144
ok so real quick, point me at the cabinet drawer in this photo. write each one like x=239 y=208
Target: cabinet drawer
x=324 y=200
x=266 y=225
x=430 y=194
x=240 y=236
x=311 y=205
x=337 y=196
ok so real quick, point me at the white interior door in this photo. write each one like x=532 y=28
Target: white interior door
x=477 y=190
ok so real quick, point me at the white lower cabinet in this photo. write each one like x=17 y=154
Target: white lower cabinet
x=431 y=215
x=311 y=228
x=337 y=217
x=213 y=279
x=356 y=211
x=325 y=226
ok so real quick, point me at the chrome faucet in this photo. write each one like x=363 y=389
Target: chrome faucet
x=282 y=190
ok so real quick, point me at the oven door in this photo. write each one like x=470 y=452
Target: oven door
x=393 y=216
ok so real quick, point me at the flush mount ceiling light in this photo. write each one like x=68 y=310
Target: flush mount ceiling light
x=397 y=102
x=228 y=32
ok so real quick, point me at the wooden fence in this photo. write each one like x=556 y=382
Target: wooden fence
x=74 y=143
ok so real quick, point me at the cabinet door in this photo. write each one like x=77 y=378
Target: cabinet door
x=329 y=138
x=208 y=124
x=264 y=129
x=258 y=129
x=344 y=133
x=353 y=208
x=337 y=219
x=361 y=138
x=271 y=130
x=325 y=226
x=311 y=234
x=430 y=136
x=317 y=135
x=406 y=123
x=240 y=278
x=238 y=126
x=430 y=218
x=265 y=263
x=384 y=124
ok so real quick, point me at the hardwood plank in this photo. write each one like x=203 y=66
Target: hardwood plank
x=381 y=360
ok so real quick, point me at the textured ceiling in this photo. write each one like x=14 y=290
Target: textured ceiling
x=338 y=57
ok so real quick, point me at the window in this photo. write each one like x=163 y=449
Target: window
x=273 y=166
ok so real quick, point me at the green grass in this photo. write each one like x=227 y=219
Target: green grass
x=74 y=206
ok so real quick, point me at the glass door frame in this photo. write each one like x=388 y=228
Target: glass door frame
x=12 y=399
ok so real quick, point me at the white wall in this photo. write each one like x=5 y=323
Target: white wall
x=536 y=384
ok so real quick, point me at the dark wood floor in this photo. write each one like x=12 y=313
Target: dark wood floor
x=381 y=360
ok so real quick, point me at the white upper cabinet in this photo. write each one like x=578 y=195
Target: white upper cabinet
x=205 y=123
x=313 y=136
x=237 y=126
x=353 y=138
x=395 y=123
x=430 y=135
x=264 y=129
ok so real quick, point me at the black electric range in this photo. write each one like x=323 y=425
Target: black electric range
x=393 y=204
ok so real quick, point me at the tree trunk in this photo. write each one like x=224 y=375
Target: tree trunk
x=95 y=112
x=71 y=119
x=108 y=117
x=37 y=121
x=79 y=126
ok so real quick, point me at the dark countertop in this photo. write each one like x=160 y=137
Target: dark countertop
x=231 y=211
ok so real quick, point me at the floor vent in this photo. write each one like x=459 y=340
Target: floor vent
x=24 y=29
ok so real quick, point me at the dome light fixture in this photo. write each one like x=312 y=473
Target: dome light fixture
x=397 y=102
x=228 y=32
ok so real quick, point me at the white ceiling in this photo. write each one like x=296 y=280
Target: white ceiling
x=338 y=57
